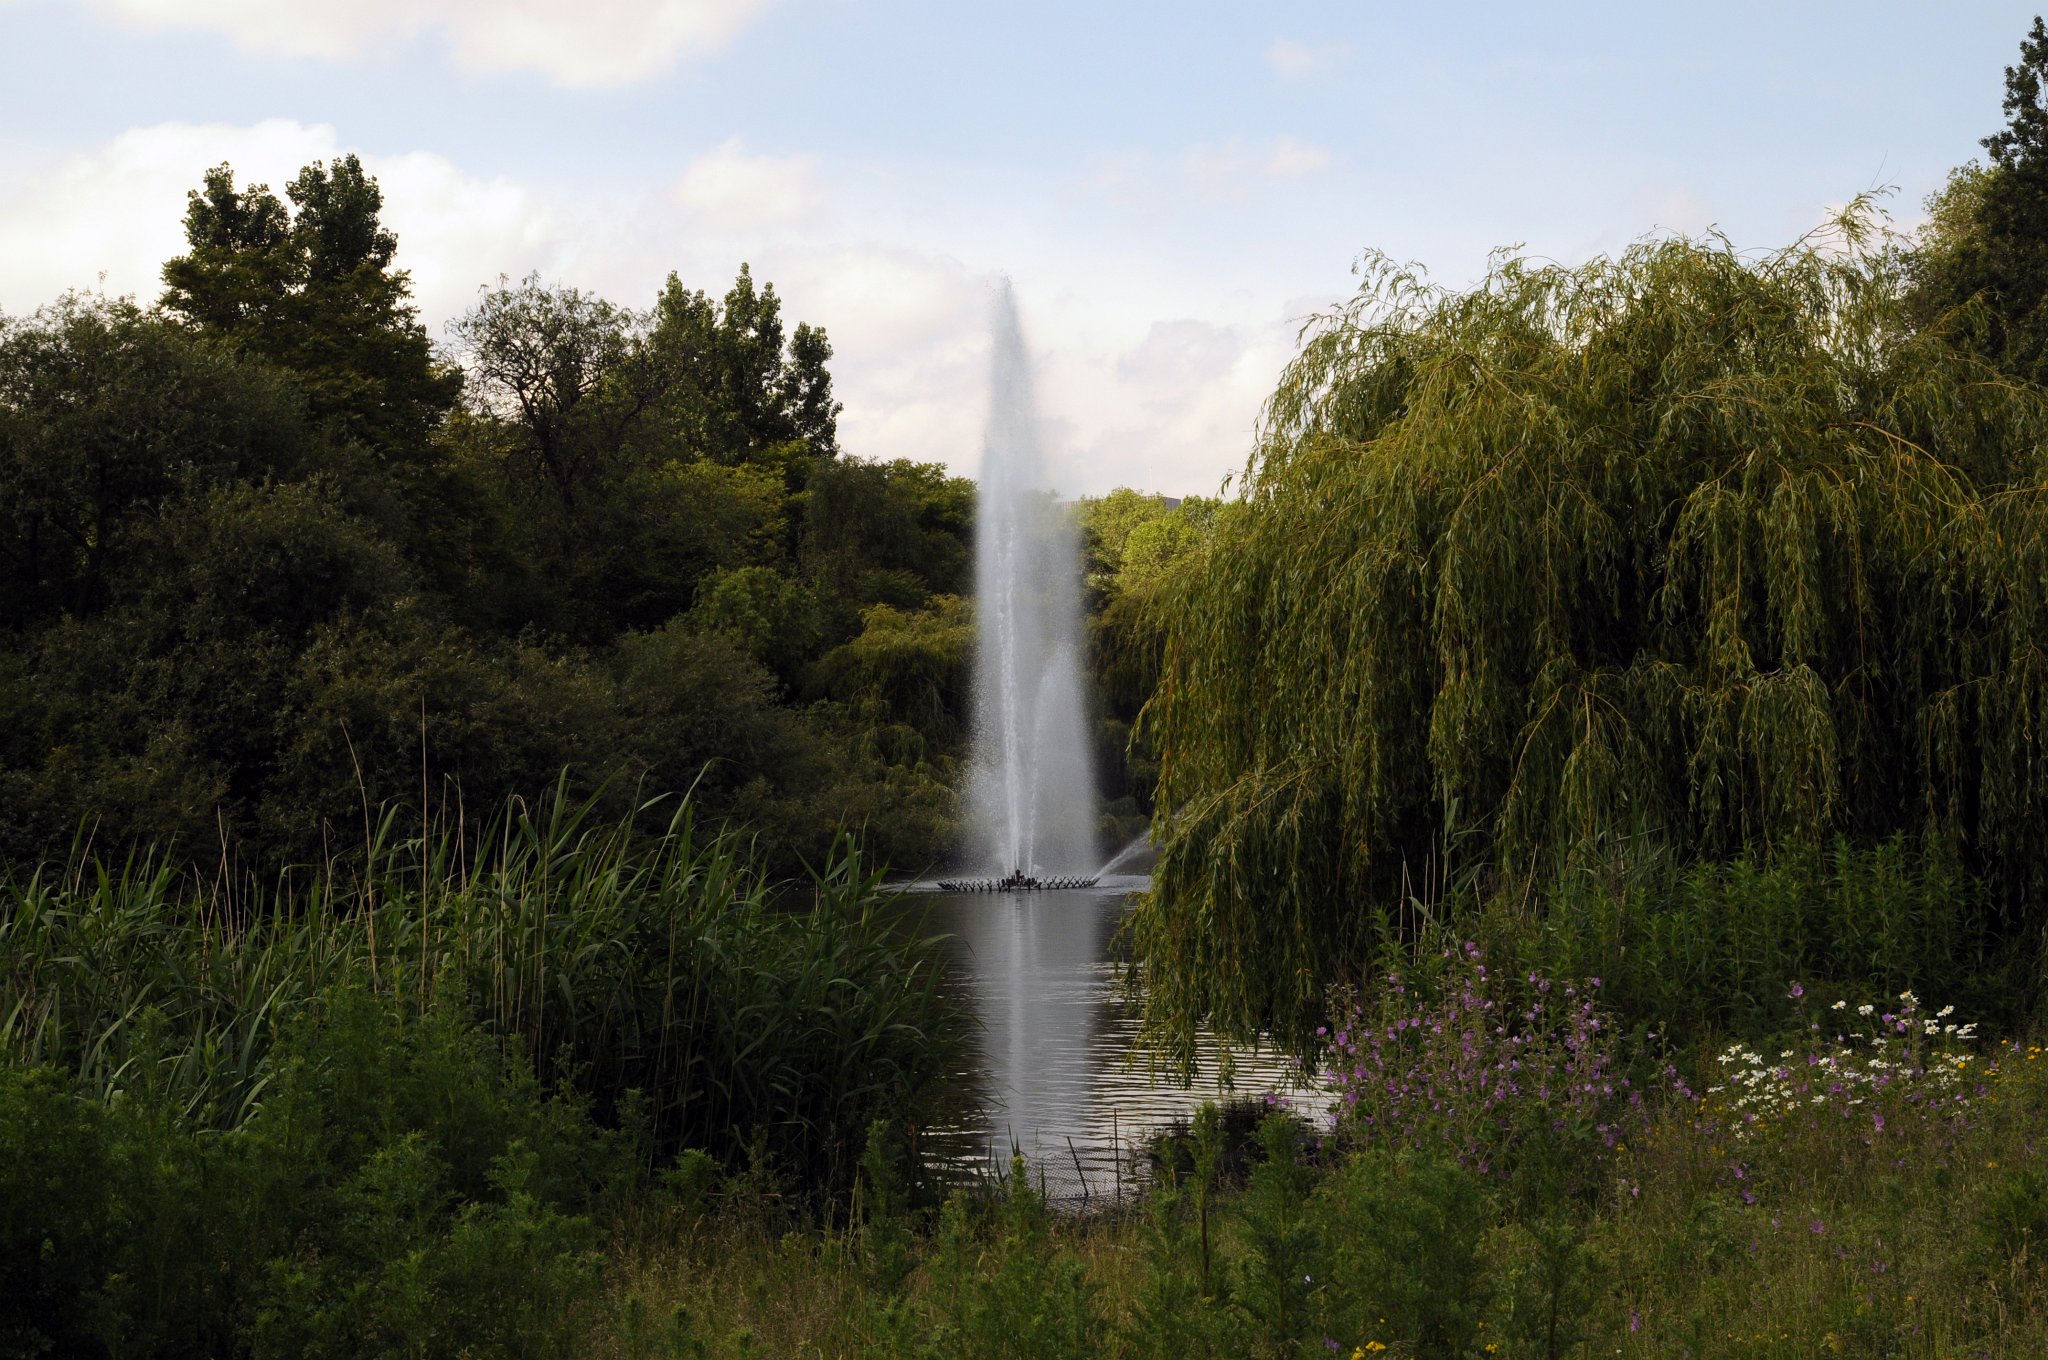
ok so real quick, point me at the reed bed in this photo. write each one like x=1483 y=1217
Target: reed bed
x=662 y=975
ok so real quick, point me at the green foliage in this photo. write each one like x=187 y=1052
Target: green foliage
x=768 y=616
x=739 y=389
x=1135 y=545
x=1020 y=1295
x=1978 y=266
x=259 y=568
x=108 y=416
x=312 y=292
x=1684 y=550
x=407 y=1189
x=914 y=666
x=1172 y=1314
x=1403 y=1259
x=1273 y=1281
x=1691 y=950
x=884 y=533
x=621 y=962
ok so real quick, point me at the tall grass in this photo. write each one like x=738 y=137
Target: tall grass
x=664 y=975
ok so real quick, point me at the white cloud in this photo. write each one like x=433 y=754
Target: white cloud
x=728 y=189
x=113 y=214
x=611 y=42
x=1288 y=159
x=1230 y=167
x=1147 y=376
x=1293 y=59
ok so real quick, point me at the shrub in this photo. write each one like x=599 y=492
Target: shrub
x=1525 y=1086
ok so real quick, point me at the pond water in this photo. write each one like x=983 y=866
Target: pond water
x=1060 y=1076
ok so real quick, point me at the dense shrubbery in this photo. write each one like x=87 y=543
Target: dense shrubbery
x=658 y=975
x=265 y=555
x=406 y=1188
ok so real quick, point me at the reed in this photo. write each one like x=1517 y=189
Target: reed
x=664 y=975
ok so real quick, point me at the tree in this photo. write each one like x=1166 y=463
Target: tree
x=738 y=391
x=565 y=368
x=314 y=293
x=1981 y=268
x=107 y=416
x=1686 y=553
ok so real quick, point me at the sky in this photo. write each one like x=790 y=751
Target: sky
x=1174 y=190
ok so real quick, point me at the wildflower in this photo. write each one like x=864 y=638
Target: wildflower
x=1796 y=992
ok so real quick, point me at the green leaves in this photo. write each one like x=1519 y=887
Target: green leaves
x=1685 y=548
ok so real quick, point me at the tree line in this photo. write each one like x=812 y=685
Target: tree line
x=270 y=556
x=1630 y=581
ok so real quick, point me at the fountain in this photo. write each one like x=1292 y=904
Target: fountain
x=1032 y=790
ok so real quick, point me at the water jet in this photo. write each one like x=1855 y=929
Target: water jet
x=1032 y=792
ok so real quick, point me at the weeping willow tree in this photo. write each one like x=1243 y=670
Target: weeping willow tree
x=1688 y=548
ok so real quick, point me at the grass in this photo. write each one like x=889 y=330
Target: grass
x=664 y=976
x=1929 y=1245
x=560 y=1088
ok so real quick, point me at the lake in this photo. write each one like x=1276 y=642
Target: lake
x=1059 y=1073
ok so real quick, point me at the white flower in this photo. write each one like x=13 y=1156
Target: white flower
x=1944 y=1012
x=1865 y=1009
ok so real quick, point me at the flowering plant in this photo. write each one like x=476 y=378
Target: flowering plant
x=1461 y=1063
x=1860 y=1065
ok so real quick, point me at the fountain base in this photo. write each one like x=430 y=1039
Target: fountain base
x=1016 y=881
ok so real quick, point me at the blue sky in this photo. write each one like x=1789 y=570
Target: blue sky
x=1171 y=187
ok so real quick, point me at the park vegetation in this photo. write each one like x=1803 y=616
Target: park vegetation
x=446 y=792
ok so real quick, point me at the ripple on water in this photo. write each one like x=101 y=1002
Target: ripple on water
x=1059 y=1071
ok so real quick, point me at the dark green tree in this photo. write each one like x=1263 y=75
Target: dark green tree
x=1981 y=270
x=740 y=391
x=566 y=369
x=108 y=415
x=313 y=292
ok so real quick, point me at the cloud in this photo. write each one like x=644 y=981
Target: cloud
x=1289 y=159
x=609 y=43
x=728 y=189
x=1228 y=167
x=1292 y=59
x=111 y=215
x=1147 y=376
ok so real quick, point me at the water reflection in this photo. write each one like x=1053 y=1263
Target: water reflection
x=1060 y=1076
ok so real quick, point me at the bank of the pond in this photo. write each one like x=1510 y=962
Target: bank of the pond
x=1913 y=1237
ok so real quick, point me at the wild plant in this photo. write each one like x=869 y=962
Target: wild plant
x=1866 y=1065
x=1273 y=1281
x=1401 y=1262
x=617 y=961
x=1021 y=1295
x=1520 y=1083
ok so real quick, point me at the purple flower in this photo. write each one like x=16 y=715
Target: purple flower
x=1797 y=991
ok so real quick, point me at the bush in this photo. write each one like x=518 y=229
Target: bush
x=619 y=963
